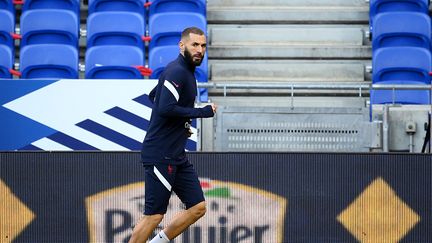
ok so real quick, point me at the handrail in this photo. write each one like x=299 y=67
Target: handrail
x=361 y=87
x=306 y=85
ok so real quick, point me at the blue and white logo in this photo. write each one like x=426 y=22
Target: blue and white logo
x=66 y=115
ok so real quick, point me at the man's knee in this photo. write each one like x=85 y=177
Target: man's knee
x=199 y=210
x=154 y=218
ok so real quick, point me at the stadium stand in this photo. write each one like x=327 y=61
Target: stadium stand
x=7 y=26
x=381 y=6
x=401 y=65
x=7 y=5
x=161 y=56
x=167 y=19
x=402 y=29
x=116 y=5
x=6 y=61
x=49 y=61
x=114 y=62
x=45 y=26
x=115 y=28
x=193 y=6
x=72 y=5
x=166 y=28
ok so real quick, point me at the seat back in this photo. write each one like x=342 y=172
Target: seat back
x=163 y=55
x=6 y=61
x=419 y=97
x=44 y=26
x=402 y=29
x=382 y=6
x=7 y=26
x=7 y=5
x=115 y=28
x=49 y=61
x=136 y=6
x=72 y=5
x=166 y=28
x=401 y=64
x=113 y=62
x=192 y=6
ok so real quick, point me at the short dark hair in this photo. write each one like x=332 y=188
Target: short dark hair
x=191 y=30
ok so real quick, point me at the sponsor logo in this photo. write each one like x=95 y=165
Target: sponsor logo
x=235 y=213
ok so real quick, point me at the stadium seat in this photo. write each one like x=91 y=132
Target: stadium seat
x=400 y=96
x=45 y=26
x=7 y=5
x=163 y=6
x=115 y=28
x=6 y=61
x=113 y=62
x=73 y=5
x=7 y=26
x=381 y=6
x=402 y=29
x=166 y=28
x=49 y=61
x=161 y=56
x=136 y=6
x=401 y=65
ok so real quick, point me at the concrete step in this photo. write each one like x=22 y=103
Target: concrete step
x=288 y=71
x=290 y=52
x=212 y=3
x=274 y=35
x=251 y=14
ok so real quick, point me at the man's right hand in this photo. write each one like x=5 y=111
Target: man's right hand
x=214 y=107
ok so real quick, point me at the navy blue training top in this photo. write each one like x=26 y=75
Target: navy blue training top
x=173 y=107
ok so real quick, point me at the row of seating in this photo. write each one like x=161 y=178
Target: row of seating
x=115 y=38
x=111 y=26
x=401 y=44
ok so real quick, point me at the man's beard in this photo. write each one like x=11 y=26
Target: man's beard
x=189 y=58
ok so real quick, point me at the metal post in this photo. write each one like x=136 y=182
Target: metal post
x=386 y=128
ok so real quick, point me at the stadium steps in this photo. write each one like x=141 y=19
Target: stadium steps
x=283 y=11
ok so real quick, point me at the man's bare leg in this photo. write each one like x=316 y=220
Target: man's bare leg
x=145 y=227
x=184 y=219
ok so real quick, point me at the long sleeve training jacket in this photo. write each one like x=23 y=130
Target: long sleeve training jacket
x=173 y=99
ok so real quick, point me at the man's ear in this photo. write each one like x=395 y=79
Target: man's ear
x=182 y=46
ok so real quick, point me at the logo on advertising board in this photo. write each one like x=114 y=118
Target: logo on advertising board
x=235 y=213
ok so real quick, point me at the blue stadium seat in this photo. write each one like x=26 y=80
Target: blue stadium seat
x=73 y=5
x=44 y=26
x=7 y=26
x=401 y=65
x=163 y=6
x=381 y=6
x=166 y=28
x=113 y=62
x=115 y=28
x=6 y=61
x=419 y=97
x=49 y=61
x=136 y=6
x=159 y=57
x=402 y=29
x=7 y=5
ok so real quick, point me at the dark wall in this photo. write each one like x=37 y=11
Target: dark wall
x=318 y=187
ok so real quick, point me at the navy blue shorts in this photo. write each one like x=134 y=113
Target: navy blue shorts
x=162 y=179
